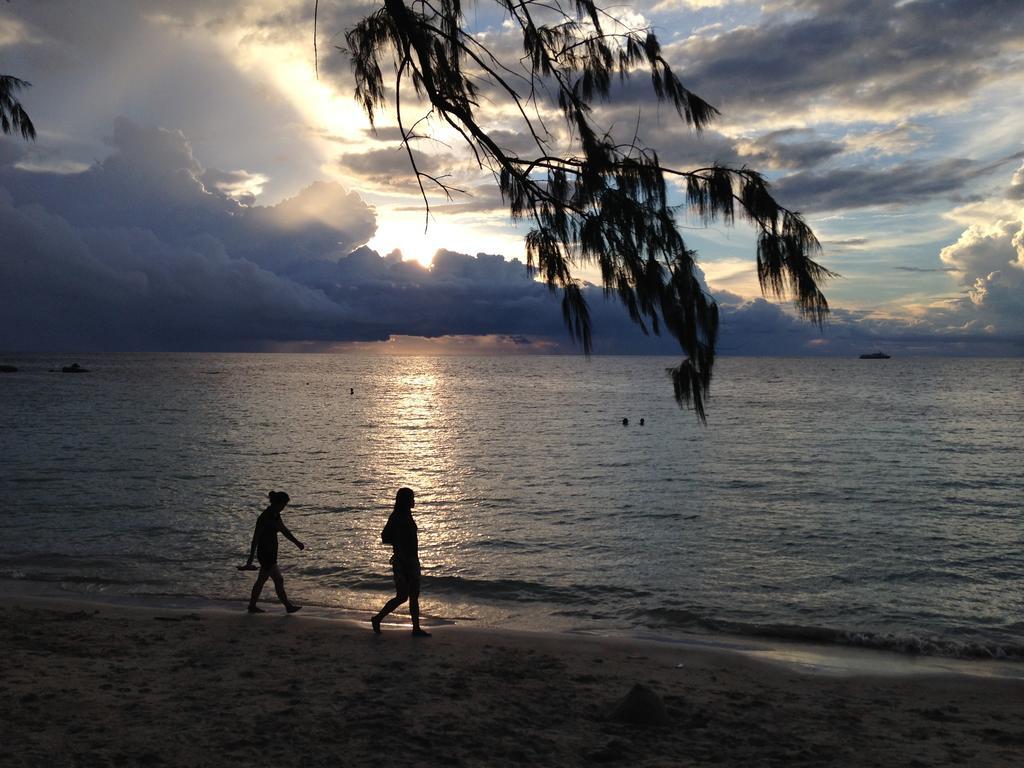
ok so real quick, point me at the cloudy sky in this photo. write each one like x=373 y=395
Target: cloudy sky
x=195 y=185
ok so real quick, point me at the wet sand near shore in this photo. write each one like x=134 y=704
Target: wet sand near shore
x=98 y=685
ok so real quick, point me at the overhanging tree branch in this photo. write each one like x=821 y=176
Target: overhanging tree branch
x=13 y=117
x=592 y=200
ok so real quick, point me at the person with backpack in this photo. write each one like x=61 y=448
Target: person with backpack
x=400 y=533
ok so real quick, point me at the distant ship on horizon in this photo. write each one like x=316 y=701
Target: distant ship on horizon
x=875 y=356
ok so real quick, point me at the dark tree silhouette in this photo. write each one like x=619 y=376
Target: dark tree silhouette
x=590 y=198
x=13 y=118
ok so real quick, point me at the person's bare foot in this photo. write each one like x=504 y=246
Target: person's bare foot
x=253 y=608
x=375 y=623
x=292 y=608
x=420 y=633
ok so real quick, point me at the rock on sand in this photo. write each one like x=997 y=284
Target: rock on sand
x=641 y=706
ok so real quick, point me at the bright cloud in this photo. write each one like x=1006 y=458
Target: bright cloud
x=988 y=259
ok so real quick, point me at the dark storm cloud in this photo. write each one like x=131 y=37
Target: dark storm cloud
x=679 y=146
x=862 y=187
x=389 y=162
x=924 y=270
x=139 y=253
x=515 y=142
x=862 y=53
x=392 y=167
x=152 y=181
x=848 y=242
x=68 y=287
x=791 y=149
x=460 y=295
x=759 y=327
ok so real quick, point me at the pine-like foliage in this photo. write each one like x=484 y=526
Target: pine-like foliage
x=602 y=202
x=13 y=118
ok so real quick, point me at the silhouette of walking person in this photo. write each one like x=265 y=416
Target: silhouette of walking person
x=264 y=547
x=400 y=533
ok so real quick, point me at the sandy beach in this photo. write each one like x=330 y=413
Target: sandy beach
x=96 y=685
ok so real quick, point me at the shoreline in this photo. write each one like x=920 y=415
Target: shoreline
x=806 y=656
x=99 y=684
x=813 y=657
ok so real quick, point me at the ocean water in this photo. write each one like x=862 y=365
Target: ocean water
x=874 y=503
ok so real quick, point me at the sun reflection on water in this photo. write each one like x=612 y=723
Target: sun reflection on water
x=417 y=450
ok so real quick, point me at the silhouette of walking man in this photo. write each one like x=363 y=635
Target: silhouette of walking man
x=264 y=547
x=400 y=533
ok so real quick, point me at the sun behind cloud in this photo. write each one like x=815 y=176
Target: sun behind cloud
x=418 y=240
